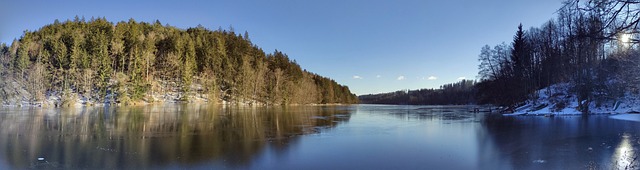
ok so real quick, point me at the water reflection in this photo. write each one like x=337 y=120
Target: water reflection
x=364 y=137
x=571 y=142
x=159 y=136
x=527 y=142
x=624 y=155
x=448 y=114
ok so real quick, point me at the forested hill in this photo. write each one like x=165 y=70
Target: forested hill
x=126 y=62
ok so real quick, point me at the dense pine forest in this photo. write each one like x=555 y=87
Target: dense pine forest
x=131 y=62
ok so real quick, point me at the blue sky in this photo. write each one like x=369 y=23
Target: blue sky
x=372 y=46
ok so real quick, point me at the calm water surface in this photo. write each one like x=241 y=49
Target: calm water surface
x=310 y=137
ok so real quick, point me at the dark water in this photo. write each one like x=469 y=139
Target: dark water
x=310 y=137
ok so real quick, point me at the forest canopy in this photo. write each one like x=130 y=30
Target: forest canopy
x=138 y=61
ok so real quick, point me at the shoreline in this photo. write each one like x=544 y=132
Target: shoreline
x=52 y=103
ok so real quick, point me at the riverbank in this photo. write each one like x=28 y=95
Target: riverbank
x=15 y=95
x=556 y=100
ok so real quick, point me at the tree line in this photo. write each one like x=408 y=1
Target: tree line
x=138 y=61
x=590 y=45
x=459 y=93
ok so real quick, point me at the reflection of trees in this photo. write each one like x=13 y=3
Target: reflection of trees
x=452 y=113
x=559 y=143
x=135 y=137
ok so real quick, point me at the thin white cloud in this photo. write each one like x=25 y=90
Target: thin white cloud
x=357 y=77
x=461 y=78
x=432 y=78
x=401 y=78
x=378 y=76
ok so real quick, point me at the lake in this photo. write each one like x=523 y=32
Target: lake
x=175 y=136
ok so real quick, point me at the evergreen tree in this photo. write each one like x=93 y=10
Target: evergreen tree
x=188 y=65
x=521 y=58
x=22 y=59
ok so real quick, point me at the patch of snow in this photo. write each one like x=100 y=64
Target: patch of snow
x=553 y=100
x=630 y=103
x=629 y=117
x=16 y=95
x=557 y=100
x=540 y=161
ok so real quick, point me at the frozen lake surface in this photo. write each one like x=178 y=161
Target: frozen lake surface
x=311 y=137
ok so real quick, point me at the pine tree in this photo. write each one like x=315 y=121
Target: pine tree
x=521 y=59
x=188 y=66
x=22 y=59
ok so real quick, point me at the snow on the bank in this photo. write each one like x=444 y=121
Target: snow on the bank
x=629 y=117
x=16 y=95
x=630 y=103
x=557 y=100
x=554 y=99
